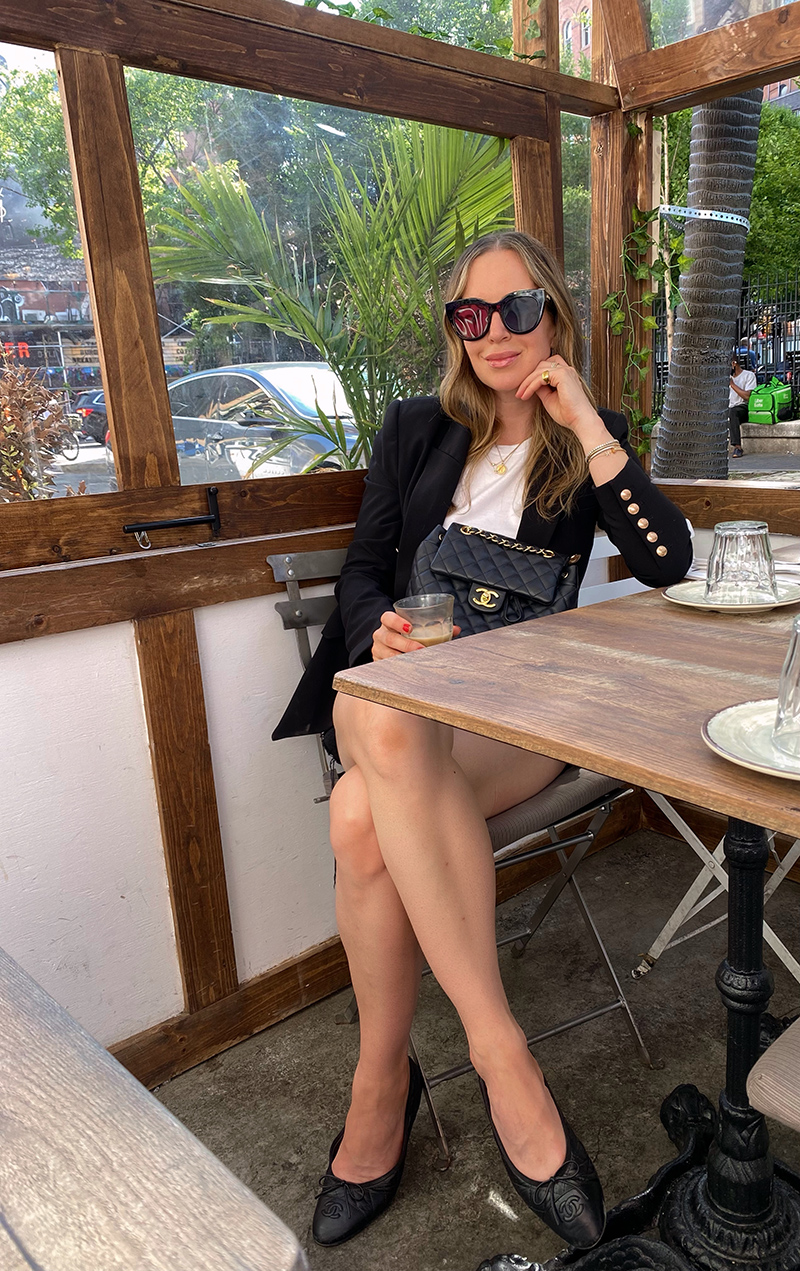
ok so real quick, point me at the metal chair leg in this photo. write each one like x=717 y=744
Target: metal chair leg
x=691 y=904
x=445 y=1157
x=638 y=1040
x=350 y=1013
x=683 y=912
x=566 y=878
x=561 y=879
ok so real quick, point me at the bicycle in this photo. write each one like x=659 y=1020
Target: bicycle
x=70 y=447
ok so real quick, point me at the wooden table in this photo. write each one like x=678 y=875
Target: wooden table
x=623 y=688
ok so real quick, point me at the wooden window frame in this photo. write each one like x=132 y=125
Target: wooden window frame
x=718 y=63
x=269 y=45
x=65 y=564
x=266 y=44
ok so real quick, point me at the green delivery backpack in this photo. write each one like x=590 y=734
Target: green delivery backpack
x=770 y=402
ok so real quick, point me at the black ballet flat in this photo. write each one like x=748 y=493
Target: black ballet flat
x=571 y=1202
x=343 y=1209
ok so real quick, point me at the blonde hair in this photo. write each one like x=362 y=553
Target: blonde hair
x=555 y=454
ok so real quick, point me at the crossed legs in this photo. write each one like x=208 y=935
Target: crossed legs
x=415 y=872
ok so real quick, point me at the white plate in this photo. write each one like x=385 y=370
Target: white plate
x=692 y=594
x=743 y=734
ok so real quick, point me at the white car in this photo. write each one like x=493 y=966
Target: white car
x=224 y=419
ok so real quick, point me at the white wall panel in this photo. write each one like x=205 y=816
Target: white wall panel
x=84 y=905
x=275 y=838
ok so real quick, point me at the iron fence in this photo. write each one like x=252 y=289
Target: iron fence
x=767 y=333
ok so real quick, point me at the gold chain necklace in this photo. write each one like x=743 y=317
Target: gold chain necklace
x=501 y=468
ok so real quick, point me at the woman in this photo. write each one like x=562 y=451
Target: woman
x=505 y=449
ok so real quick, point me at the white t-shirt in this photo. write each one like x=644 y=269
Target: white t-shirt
x=489 y=500
x=746 y=381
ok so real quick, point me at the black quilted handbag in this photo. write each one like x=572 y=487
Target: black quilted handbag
x=496 y=581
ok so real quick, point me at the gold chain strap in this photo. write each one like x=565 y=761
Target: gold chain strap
x=508 y=542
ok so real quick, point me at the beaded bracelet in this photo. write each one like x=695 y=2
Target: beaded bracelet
x=608 y=447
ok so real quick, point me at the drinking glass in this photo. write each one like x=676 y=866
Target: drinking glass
x=786 y=733
x=741 y=569
x=431 y=617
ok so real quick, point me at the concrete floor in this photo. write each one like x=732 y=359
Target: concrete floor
x=270 y=1106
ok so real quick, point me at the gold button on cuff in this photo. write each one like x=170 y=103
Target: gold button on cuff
x=633 y=508
x=661 y=551
x=625 y=495
x=643 y=522
x=652 y=537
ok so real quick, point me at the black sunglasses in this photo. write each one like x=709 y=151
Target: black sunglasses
x=520 y=312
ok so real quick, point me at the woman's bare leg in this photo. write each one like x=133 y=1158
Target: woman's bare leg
x=385 y=967
x=429 y=819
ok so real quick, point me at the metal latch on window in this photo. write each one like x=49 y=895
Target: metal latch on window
x=140 y=528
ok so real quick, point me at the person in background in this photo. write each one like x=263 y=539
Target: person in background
x=742 y=383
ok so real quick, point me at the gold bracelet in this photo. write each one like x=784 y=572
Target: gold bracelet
x=608 y=447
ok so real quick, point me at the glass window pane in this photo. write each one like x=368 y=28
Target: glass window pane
x=242 y=398
x=484 y=25
x=50 y=375
x=674 y=20
x=577 y=197
x=299 y=252
x=575 y=40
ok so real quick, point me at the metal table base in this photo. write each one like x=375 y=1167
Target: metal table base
x=723 y=1202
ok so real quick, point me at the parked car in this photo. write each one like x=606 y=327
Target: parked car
x=224 y=419
x=91 y=409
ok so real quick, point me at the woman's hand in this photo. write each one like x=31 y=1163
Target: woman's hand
x=558 y=387
x=391 y=637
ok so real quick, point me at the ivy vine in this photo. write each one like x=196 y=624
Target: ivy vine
x=630 y=310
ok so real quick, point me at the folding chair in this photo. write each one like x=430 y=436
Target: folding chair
x=299 y=612
x=515 y=834
x=695 y=901
x=787 y=551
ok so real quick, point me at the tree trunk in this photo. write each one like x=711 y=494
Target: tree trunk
x=693 y=436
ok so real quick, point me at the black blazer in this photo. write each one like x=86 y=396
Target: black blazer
x=417 y=460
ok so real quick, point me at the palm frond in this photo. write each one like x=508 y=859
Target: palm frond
x=376 y=320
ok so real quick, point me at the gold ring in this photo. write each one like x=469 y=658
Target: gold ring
x=546 y=375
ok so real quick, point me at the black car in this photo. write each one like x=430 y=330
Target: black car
x=91 y=407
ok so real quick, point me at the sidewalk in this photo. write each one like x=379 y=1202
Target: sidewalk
x=784 y=469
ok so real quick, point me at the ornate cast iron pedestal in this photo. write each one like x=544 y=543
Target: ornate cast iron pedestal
x=735 y=1212
x=738 y=1209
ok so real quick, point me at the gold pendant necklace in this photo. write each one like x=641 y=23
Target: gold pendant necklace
x=501 y=468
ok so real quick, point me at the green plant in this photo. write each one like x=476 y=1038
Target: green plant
x=368 y=301
x=208 y=346
x=629 y=313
